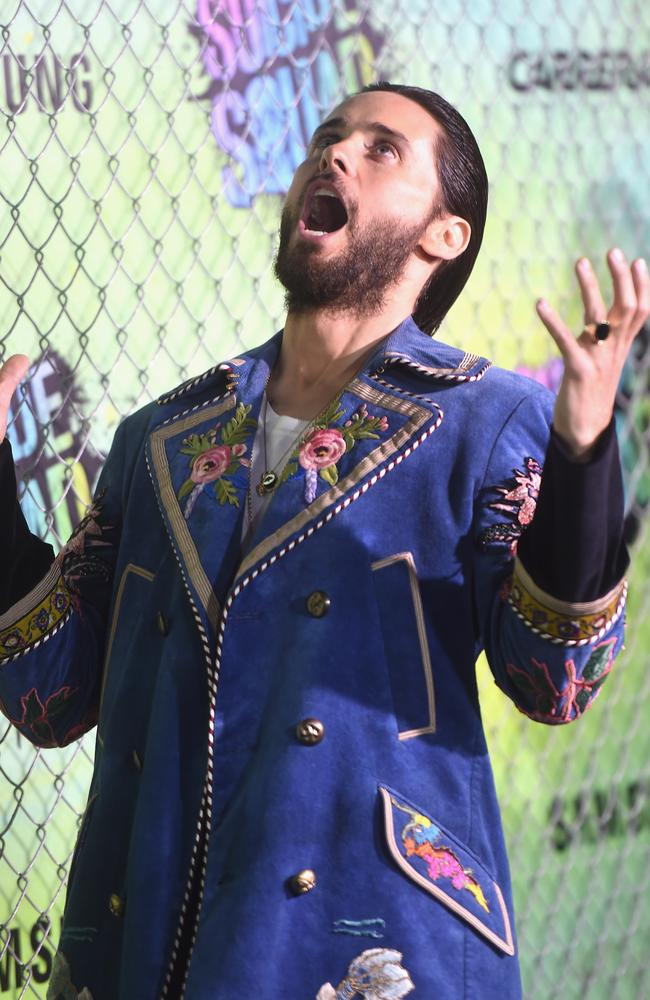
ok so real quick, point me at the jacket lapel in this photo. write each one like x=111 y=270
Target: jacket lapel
x=367 y=432
x=373 y=426
x=199 y=458
x=199 y=463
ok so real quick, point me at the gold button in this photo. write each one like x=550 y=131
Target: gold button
x=116 y=905
x=162 y=624
x=303 y=882
x=318 y=604
x=310 y=731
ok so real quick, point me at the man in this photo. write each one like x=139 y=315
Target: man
x=274 y=607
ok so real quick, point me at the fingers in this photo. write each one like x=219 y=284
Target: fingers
x=558 y=330
x=595 y=308
x=641 y=280
x=631 y=305
x=625 y=298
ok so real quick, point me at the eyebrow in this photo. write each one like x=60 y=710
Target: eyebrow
x=364 y=126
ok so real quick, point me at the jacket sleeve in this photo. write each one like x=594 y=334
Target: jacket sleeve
x=25 y=557
x=52 y=639
x=550 y=652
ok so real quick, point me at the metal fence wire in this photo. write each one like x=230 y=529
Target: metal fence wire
x=145 y=146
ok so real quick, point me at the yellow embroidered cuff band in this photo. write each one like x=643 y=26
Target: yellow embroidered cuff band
x=34 y=618
x=561 y=621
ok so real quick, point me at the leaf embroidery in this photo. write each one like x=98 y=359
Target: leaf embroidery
x=37 y=716
x=546 y=702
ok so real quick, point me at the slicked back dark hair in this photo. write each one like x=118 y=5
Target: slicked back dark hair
x=464 y=187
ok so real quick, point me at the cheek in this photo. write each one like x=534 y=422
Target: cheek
x=298 y=184
x=405 y=203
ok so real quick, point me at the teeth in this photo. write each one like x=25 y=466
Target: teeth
x=327 y=194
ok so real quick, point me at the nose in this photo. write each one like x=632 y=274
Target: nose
x=336 y=156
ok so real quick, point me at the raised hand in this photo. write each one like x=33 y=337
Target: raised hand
x=11 y=373
x=592 y=367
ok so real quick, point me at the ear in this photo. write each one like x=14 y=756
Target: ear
x=446 y=238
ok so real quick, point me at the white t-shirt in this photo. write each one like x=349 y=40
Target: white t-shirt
x=282 y=434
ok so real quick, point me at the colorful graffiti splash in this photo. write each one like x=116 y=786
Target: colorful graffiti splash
x=275 y=68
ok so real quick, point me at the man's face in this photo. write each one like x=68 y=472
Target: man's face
x=358 y=205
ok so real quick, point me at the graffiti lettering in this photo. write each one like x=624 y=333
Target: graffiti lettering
x=48 y=81
x=47 y=439
x=272 y=76
x=579 y=69
x=38 y=967
x=590 y=817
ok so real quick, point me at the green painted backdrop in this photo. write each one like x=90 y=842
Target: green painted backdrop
x=144 y=151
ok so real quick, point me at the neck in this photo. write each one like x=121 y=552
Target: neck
x=320 y=353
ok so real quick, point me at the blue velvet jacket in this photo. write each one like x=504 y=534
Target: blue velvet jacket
x=292 y=797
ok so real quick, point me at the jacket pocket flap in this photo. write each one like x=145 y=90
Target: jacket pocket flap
x=436 y=861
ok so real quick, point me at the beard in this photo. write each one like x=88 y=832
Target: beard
x=357 y=279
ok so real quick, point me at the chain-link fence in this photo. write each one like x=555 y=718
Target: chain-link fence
x=144 y=149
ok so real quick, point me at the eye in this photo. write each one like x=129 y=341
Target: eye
x=324 y=139
x=383 y=147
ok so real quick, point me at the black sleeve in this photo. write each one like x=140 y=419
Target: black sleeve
x=574 y=548
x=24 y=558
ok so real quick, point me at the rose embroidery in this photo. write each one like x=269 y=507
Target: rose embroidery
x=212 y=464
x=324 y=446
x=215 y=457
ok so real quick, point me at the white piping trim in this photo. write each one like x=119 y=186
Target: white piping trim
x=590 y=640
x=200 y=845
x=416 y=597
x=192 y=383
x=435 y=373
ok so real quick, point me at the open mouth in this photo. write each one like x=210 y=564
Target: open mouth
x=325 y=212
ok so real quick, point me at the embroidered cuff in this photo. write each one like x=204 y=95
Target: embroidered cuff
x=570 y=624
x=36 y=617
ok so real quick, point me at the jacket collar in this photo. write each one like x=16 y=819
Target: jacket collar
x=198 y=456
x=409 y=348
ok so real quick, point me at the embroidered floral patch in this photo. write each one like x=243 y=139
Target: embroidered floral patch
x=37 y=717
x=376 y=974
x=214 y=458
x=422 y=838
x=60 y=985
x=545 y=702
x=446 y=869
x=518 y=499
x=81 y=558
x=318 y=454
